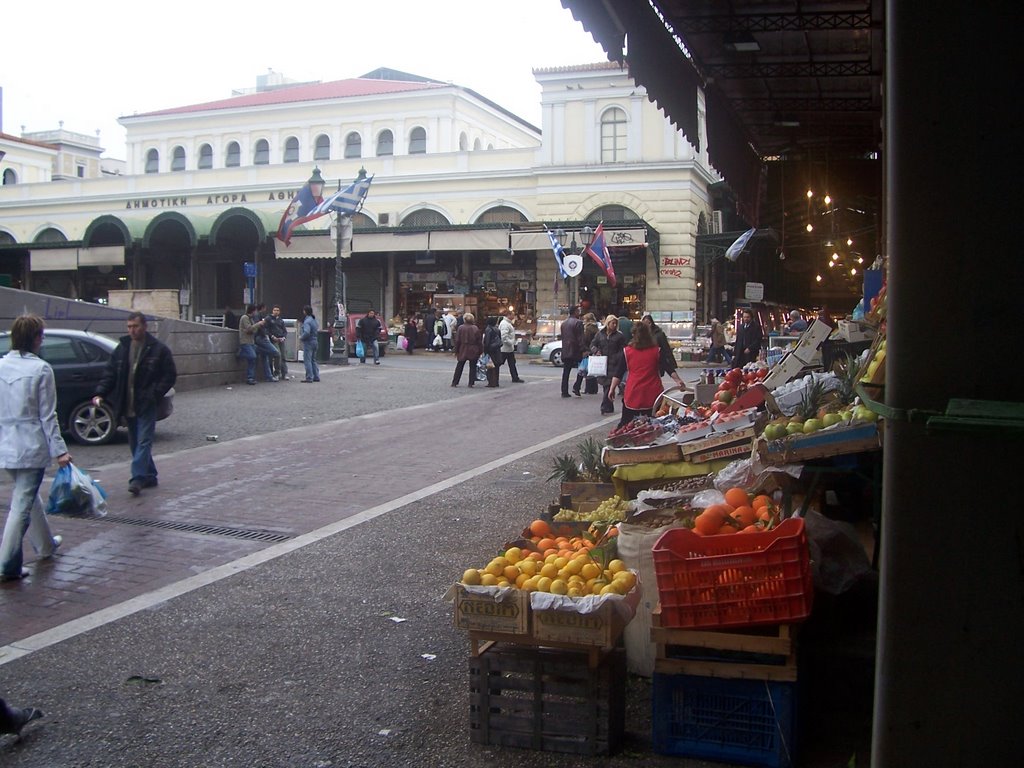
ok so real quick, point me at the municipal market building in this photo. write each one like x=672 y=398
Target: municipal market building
x=462 y=193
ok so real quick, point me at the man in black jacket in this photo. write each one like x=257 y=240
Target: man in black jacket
x=368 y=330
x=138 y=375
x=749 y=338
x=277 y=333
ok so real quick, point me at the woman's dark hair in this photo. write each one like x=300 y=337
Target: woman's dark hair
x=492 y=320
x=308 y=310
x=642 y=337
x=24 y=331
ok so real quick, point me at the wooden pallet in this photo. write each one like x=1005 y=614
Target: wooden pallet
x=759 y=653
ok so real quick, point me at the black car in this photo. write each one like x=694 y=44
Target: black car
x=78 y=359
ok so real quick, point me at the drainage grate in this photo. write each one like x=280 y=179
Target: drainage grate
x=212 y=530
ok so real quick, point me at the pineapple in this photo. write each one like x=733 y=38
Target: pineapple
x=593 y=468
x=813 y=399
x=564 y=469
x=847 y=373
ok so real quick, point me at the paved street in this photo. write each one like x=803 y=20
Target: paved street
x=277 y=601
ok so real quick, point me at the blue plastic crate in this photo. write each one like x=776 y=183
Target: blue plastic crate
x=748 y=722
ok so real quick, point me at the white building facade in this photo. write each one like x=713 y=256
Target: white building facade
x=462 y=193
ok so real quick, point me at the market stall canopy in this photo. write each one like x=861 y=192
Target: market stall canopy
x=782 y=81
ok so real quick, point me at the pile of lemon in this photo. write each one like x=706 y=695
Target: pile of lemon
x=575 y=576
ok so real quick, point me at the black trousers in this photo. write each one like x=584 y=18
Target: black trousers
x=567 y=366
x=459 y=366
x=510 y=358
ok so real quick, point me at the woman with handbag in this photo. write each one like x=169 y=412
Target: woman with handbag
x=590 y=329
x=468 y=347
x=609 y=342
x=29 y=439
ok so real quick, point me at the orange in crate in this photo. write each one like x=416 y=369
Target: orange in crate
x=733 y=581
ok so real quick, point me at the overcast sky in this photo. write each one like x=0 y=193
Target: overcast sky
x=88 y=64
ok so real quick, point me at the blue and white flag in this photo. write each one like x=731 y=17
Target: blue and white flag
x=347 y=201
x=733 y=251
x=559 y=252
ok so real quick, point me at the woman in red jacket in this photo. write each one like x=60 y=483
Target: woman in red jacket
x=643 y=385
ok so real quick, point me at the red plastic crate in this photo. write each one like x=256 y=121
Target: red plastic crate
x=734 y=580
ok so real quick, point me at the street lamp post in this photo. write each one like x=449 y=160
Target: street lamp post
x=340 y=352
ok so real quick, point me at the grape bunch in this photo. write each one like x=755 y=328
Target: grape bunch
x=613 y=509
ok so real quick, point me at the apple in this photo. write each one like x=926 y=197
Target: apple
x=724 y=397
x=812 y=425
x=846 y=415
x=794 y=428
x=863 y=413
x=831 y=418
x=774 y=432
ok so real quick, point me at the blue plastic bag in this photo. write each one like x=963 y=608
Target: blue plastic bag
x=75 y=494
x=360 y=349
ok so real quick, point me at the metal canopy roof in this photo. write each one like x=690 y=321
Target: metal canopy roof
x=783 y=80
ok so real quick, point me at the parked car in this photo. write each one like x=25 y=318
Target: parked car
x=552 y=352
x=78 y=359
x=382 y=338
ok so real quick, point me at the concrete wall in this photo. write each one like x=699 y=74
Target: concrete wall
x=205 y=356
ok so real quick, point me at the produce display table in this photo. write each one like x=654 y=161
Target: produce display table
x=650 y=473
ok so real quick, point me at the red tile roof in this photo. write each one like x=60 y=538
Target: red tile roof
x=338 y=89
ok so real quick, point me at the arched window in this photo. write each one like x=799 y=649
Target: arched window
x=291 y=150
x=362 y=220
x=501 y=214
x=323 y=147
x=463 y=142
x=612 y=213
x=51 y=235
x=205 y=157
x=385 y=143
x=10 y=177
x=418 y=141
x=425 y=217
x=178 y=158
x=233 y=156
x=613 y=136
x=261 y=154
x=354 y=145
x=152 y=161
x=476 y=145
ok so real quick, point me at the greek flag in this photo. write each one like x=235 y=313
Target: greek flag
x=733 y=251
x=559 y=252
x=347 y=201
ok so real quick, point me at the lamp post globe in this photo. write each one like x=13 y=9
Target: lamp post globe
x=316 y=183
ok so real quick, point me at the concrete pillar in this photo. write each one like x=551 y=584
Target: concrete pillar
x=949 y=680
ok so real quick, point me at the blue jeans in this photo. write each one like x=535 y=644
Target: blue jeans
x=267 y=350
x=248 y=353
x=309 y=349
x=140 y=439
x=26 y=514
x=376 y=351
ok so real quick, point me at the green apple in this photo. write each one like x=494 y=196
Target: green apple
x=863 y=413
x=794 y=428
x=831 y=418
x=846 y=415
x=774 y=432
x=812 y=425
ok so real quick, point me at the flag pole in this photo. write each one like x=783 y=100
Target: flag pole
x=339 y=353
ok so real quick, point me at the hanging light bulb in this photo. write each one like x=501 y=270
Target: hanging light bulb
x=831 y=264
x=810 y=227
x=828 y=199
x=853 y=270
x=849 y=242
x=860 y=259
x=810 y=194
x=817 y=278
x=835 y=256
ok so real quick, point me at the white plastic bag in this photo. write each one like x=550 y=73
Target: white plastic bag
x=597 y=365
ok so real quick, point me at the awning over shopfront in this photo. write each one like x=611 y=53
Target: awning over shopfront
x=318 y=247
x=58 y=259
x=614 y=238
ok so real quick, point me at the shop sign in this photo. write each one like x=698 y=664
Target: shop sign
x=430 y=287
x=753 y=291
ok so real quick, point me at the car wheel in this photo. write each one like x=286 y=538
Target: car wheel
x=92 y=424
x=556 y=357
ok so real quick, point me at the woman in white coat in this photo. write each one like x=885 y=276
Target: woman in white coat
x=29 y=439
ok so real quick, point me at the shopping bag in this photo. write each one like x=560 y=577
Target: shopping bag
x=583 y=365
x=360 y=349
x=75 y=494
x=597 y=365
x=437 y=341
x=403 y=343
x=484 y=361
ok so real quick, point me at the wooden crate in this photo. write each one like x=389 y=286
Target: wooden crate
x=587 y=491
x=482 y=613
x=761 y=653
x=602 y=628
x=547 y=699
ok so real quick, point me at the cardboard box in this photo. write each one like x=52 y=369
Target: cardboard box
x=810 y=340
x=601 y=628
x=482 y=611
x=851 y=330
x=739 y=449
x=786 y=370
x=717 y=441
x=705 y=393
x=664 y=453
x=837 y=441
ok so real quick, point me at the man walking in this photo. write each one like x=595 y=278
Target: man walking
x=138 y=375
x=508 y=344
x=572 y=346
x=368 y=331
x=277 y=333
